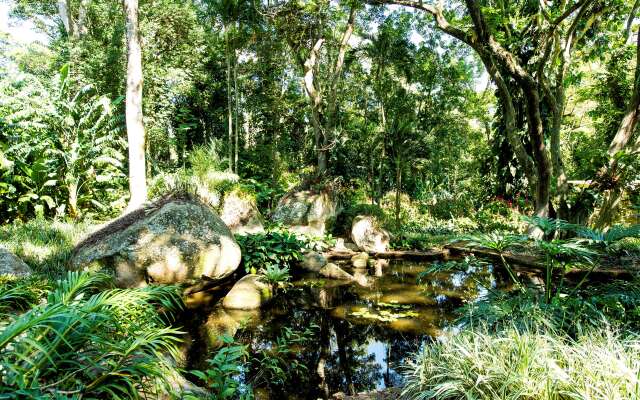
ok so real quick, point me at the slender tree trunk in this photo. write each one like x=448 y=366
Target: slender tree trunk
x=72 y=187
x=173 y=144
x=227 y=52
x=383 y=117
x=398 y=188
x=323 y=356
x=64 y=12
x=237 y=111
x=133 y=109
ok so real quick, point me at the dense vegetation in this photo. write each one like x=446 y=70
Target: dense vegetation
x=509 y=128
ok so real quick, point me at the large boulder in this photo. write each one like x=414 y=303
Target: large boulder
x=177 y=239
x=221 y=191
x=249 y=293
x=367 y=234
x=240 y=212
x=10 y=264
x=308 y=211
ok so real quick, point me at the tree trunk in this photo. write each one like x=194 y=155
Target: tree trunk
x=606 y=213
x=72 y=187
x=398 y=187
x=227 y=54
x=133 y=109
x=64 y=13
x=383 y=117
x=237 y=111
x=316 y=104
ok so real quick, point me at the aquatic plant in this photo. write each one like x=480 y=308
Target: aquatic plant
x=91 y=340
x=499 y=243
x=275 y=275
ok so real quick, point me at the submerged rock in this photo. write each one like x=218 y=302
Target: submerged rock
x=360 y=260
x=249 y=293
x=313 y=261
x=308 y=211
x=173 y=240
x=368 y=235
x=332 y=271
x=10 y=264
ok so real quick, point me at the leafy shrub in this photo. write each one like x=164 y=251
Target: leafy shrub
x=273 y=248
x=275 y=275
x=64 y=152
x=19 y=294
x=224 y=372
x=280 y=363
x=91 y=340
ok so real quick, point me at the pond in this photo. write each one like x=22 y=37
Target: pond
x=323 y=336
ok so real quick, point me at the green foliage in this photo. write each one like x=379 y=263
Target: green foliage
x=516 y=364
x=90 y=340
x=270 y=249
x=275 y=275
x=20 y=294
x=44 y=245
x=224 y=372
x=280 y=363
x=64 y=148
x=606 y=240
x=549 y=226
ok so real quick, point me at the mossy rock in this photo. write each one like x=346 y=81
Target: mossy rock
x=177 y=239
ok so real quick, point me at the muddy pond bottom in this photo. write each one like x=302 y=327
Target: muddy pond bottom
x=323 y=336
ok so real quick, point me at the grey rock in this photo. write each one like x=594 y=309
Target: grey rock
x=174 y=240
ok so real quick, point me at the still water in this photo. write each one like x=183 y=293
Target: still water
x=321 y=336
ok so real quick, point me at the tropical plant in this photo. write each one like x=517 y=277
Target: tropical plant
x=273 y=248
x=90 y=340
x=19 y=294
x=549 y=226
x=224 y=371
x=559 y=254
x=278 y=364
x=275 y=275
x=606 y=239
x=64 y=150
x=499 y=243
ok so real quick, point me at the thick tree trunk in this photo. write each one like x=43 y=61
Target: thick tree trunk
x=603 y=216
x=316 y=104
x=133 y=108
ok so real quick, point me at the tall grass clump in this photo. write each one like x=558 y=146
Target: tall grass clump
x=90 y=340
x=523 y=364
x=43 y=244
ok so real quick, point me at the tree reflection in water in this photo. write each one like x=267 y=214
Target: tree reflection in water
x=352 y=350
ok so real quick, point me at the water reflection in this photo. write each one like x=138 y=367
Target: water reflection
x=357 y=336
